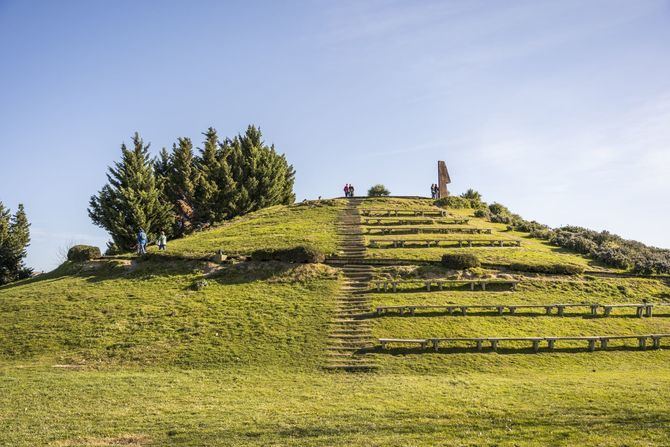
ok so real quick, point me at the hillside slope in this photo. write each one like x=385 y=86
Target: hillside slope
x=176 y=350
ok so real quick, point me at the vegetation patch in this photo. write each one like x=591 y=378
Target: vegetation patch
x=549 y=269
x=80 y=253
x=460 y=261
x=297 y=255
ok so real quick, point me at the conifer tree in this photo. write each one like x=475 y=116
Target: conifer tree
x=180 y=187
x=263 y=177
x=5 y=217
x=227 y=196
x=162 y=165
x=14 y=239
x=131 y=200
x=209 y=185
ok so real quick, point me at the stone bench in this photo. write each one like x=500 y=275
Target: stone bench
x=402 y=212
x=460 y=243
x=427 y=230
x=387 y=285
x=641 y=309
x=535 y=342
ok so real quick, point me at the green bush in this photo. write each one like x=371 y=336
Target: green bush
x=497 y=208
x=483 y=213
x=456 y=202
x=378 y=191
x=296 y=255
x=80 y=253
x=552 y=269
x=460 y=261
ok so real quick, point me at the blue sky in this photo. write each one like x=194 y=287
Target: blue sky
x=558 y=109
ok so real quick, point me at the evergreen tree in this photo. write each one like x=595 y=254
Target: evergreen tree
x=263 y=177
x=14 y=239
x=5 y=216
x=212 y=183
x=182 y=179
x=162 y=166
x=131 y=200
x=227 y=197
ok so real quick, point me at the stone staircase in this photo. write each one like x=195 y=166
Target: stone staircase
x=349 y=334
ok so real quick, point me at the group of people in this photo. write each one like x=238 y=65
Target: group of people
x=348 y=190
x=143 y=240
x=434 y=191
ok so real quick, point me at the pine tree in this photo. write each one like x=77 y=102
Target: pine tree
x=263 y=177
x=182 y=180
x=227 y=197
x=162 y=165
x=14 y=239
x=5 y=216
x=208 y=188
x=132 y=199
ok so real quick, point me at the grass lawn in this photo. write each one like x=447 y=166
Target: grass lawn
x=491 y=400
x=173 y=352
x=311 y=224
x=248 y=314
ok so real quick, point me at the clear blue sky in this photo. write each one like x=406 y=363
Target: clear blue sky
x=558 y=109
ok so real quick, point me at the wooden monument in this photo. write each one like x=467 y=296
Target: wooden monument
x=443 y=179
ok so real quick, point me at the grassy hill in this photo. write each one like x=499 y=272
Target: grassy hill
x=175 y=350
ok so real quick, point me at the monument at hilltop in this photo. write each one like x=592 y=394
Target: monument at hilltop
x=443 y=179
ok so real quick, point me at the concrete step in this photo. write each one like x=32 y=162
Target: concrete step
x=351 y=368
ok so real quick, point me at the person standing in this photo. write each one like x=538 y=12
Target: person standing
x=162 y=241
x=141 y=242
x=351 y=190
x=346 y=190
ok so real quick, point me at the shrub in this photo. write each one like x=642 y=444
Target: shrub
x=541 y=233
x=200 y=284
x=472 y=195
x=483 y=213
x=297 y=255
x=460 y=261
x=80 y=253
x=555 y=269
x=378 y=191
x=497 y=208
x=456 y=202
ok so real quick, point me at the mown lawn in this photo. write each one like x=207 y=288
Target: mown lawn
x=144 y=353
x=570 y=400
x=150 y=313
x=311 y=224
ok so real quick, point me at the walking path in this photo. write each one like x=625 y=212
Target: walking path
x=349 y=334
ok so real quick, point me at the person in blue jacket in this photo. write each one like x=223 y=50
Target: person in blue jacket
x=141 y=242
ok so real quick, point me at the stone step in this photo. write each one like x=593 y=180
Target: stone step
x=347 y=321
x=351 y=368
x=352 y=338
x=351 y=331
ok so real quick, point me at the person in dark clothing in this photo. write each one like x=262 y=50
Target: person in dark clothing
x=141 y=242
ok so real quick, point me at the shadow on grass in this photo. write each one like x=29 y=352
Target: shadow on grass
x=456 y=314
x=151 y=267
x=500 y=350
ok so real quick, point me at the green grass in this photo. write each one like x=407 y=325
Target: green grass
x=491 y=401
x=255 y=314
x=113 y=353
x=311 y=224
x=532 y=251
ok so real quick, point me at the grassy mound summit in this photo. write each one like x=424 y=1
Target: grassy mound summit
x=177 y=349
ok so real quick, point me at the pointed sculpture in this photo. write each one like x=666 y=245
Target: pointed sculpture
x=442 y=179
